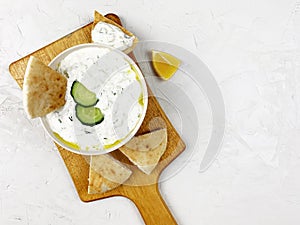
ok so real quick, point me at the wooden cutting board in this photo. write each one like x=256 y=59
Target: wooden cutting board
x=140 y=188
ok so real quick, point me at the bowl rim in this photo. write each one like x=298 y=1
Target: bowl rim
x=129 y=136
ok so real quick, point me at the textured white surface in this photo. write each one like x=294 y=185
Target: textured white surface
x=252 y=48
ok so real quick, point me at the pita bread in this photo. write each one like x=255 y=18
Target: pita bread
x=44 y=89
x=147 y=141
x=149 y=153
x=100 y=18
x=98 y=184
x=106 y=173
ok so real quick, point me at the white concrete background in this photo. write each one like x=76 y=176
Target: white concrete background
x=252 y=48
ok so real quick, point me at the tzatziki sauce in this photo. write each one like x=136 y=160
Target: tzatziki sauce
x=117 y=86
x=111 y=35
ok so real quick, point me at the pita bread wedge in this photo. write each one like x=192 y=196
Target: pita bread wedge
x=147 y=142
x=103 y=35
x=98 y=184
x=44 y=89
x=106 y=173
x=145 y=151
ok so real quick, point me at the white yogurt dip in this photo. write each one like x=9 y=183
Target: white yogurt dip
x=117 y=86
x=111 y=35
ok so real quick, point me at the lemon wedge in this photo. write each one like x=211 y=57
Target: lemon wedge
x=164 y=64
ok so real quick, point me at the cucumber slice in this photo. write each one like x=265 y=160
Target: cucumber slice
x=89 y=116
x=82 y=95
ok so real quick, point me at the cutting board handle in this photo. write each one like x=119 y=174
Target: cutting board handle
x=151 y=205
x=147 y=198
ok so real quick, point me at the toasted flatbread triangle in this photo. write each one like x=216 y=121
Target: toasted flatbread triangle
x=44 y=89
x=146 y=161
x=147 y=142
x=100 y=18
x=106 y=173
x=98 y=184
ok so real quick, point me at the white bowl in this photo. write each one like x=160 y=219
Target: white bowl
x=120 y=88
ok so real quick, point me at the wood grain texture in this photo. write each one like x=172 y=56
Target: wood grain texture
x=140 y=188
